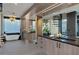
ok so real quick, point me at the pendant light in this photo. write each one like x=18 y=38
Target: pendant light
x=12 y=17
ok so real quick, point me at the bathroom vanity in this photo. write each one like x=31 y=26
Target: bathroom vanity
x=60 y=46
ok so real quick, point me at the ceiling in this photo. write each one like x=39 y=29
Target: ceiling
x=58 y=8
x=17 y=8
x=41 y=6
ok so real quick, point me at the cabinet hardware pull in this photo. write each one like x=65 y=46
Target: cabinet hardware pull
x=59 y=45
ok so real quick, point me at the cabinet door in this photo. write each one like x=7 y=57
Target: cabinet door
x=39 y=42
x=76 y=50
x=65 y=49
x=44 y=44
x=48 y=47
x=54 y=45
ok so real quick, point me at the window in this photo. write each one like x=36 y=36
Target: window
x=11 y=27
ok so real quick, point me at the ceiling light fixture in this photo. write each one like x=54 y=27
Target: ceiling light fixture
x=12 y=17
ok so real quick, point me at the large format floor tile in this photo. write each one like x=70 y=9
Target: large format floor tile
x=20 y=48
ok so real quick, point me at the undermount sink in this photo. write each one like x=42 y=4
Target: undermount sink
x=68 y=39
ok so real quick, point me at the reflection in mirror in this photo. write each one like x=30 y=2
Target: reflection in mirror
x=46 y=27
x=60 y=25
x=64 y=28
x=57 y=24
x=33 y=26
x=64 y=25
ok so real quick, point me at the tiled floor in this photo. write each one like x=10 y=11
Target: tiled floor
x=20 y=48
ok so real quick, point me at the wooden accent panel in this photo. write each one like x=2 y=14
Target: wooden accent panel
x=39 y=25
